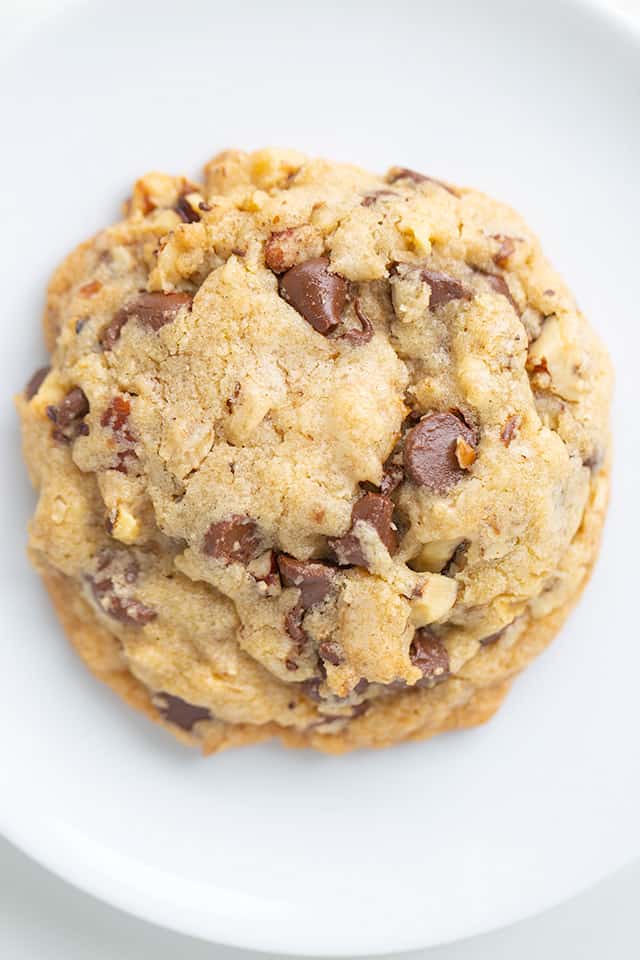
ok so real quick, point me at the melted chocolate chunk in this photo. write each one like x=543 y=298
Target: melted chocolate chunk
x=314 y=580
x=236 y=539
x=444 y=288
x=68 y=416
x=429 y=654
x=74 y=407
x=499 y=285
x=126 y=610
x=154 y=310
x=182 y=714
x=110 y=335
x=430 y=451
x=35 y=382
x=375 y=509
x=356 y=336
x=318 y=295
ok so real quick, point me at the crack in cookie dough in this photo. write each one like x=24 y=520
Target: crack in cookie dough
x=320 y=454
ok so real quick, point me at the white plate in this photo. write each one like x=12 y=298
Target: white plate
x=535 y=102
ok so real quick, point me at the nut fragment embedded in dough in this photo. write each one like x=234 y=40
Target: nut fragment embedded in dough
x=433 y=599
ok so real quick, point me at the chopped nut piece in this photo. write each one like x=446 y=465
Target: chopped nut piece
x=434 y=556
x=465 y=453
x=435 y=598
x=287 y=248
x=124 y=526
x=510 y=429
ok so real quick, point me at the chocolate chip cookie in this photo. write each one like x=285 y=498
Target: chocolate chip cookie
x=320 y=454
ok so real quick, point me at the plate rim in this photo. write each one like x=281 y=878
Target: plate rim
x=57 y=855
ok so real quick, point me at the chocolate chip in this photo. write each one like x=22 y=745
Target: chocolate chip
x=510 y=429
x=429 y=654
x=185 y=211
x=236 y=539
x=35 y=382
x=444 y=288
x=157 y=309
x=403 y=173
x=182 y=714
x=348 y=551
x=361 y=686
x=74 y=406
x=375 y=509
x=318 y=295
x=507 y=248
x=204 y=206
x=314 y=580
x=110 y=335
x=291 y=664
x=332 y=652
x=152 y=309
x=370 y=198
x=430 y=451
x=499 y=285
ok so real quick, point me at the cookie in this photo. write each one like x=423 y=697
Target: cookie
x=320 y=454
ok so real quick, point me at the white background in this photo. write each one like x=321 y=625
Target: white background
x=42 y=917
